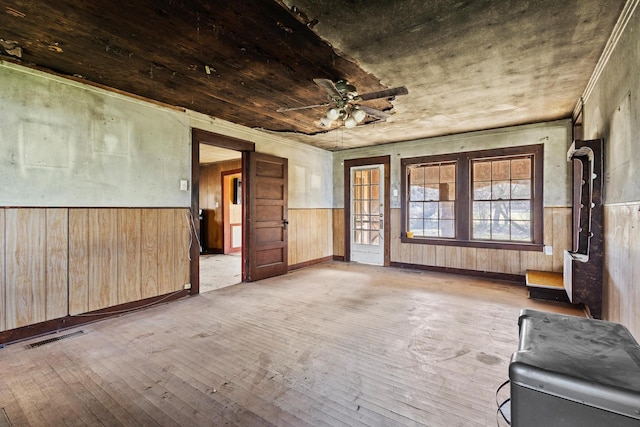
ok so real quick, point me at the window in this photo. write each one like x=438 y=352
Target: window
x=366 y=206
x=432 y=195
x=489 y=198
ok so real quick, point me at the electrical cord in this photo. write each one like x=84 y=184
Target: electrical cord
x=502 y=405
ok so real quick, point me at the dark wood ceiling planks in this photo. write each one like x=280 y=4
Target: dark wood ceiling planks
x=238 y=61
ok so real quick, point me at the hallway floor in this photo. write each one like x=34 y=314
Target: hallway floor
x=219 y=271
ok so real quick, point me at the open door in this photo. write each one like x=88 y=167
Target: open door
x=267 y=222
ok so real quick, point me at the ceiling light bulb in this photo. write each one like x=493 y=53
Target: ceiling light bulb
x=333 y=114
x=358 y=115
x=350 y=123
x=326 y=122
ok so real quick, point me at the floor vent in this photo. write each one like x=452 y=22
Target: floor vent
x=50 y=340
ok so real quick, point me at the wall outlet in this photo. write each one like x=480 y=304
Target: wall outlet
x=187 y=285
x=184 y=185
x=548 y=250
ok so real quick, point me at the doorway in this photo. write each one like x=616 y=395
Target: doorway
x=367 y=210
x=261 y=190
x=215 y=156
x=367 y=214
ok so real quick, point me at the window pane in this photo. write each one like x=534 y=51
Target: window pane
x=482 y=171
x=357 y=192
x=357 y=179
x=432 y=174
x=375 y=224
x=416 y=192
x=416 y=210
x=375 y=207
x=521 y=168
x=500 y=190
x=445 y=191
x=432 y=192
x=500 y=230
x=375 y=191
x=482 y=190
x=431 y=228
x=521 y=231
x=375 y=238
x=365 y=206
x=447 y=228
x=416 y=226
x=500 y=210
x=365 y=192
x=521 y=211
x=375 y=176
x=500 y=169
x=431 y=210
x=521 y=189
x=482 y=229
x=357 y=237
x=365 y=238
x=416 y=176
x=447 y=210
x=448 y=173
x=481 y=210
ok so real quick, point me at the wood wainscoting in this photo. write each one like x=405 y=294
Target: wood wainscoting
x=310 y=236
x=57 y=262
x=557 y=233
x=622 y=265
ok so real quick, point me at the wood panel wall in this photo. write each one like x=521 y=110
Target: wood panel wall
x=210 y=193
x=557 y=232
x=55 y=262
x=622 y=266
x=338 y=232
x=310 y=235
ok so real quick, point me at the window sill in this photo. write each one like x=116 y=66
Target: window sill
x=532 y=247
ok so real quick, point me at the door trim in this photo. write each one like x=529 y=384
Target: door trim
x=226 y=231
x=199 y=136
x=366 y=161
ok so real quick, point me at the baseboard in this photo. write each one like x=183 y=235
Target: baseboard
x=42 y=328
x=338 y=257
x=517 y=278
x=311 y=262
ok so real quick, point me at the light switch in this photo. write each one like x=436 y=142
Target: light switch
x=184 y=185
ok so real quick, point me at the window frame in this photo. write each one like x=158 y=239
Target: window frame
x=464 y=197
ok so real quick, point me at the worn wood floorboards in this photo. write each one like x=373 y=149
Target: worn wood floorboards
x=330 y=345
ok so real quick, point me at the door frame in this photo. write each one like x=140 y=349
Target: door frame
x=367 y=161
x=199 y=136
x=226 y=226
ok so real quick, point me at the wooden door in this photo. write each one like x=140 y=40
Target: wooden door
x=267 y=216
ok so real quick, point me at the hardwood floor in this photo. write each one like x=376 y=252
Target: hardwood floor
x=329 y=345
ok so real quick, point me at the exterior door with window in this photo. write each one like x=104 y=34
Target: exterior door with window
x=367 y=214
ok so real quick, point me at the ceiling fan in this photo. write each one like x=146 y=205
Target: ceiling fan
x=345 y=103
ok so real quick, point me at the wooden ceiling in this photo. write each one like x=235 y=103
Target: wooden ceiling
x=467 y=65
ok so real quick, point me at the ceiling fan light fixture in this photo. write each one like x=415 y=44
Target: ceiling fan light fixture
x=350 y=122
x=332 y=114
x=326 y=122
x=358 y=115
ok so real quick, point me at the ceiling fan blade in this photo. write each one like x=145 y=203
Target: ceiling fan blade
x=328 y=86
x=374 y=113
x=387 y=93
x=284 y=109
